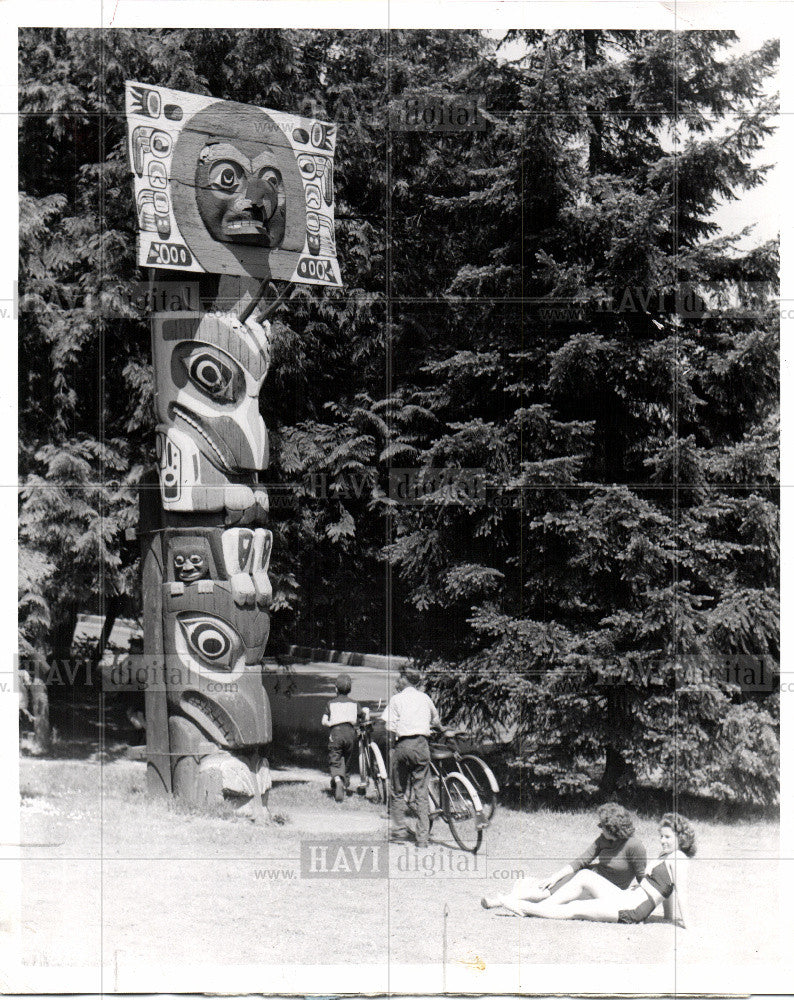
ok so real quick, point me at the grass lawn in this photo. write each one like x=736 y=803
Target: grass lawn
x=108 y=872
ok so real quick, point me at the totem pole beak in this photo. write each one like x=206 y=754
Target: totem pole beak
x=262 y=194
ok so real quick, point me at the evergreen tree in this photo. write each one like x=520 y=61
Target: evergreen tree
x=637 y=433
x=86 y=422
x=517 y=302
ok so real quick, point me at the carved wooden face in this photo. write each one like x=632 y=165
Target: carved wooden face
x=208 y=373
x=240 y=197
x=237 y=193
x=191 y=558
x=213 y=650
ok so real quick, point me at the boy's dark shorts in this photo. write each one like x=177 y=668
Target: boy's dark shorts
x=341 y=744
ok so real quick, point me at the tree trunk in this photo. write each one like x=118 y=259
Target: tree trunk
x=616 y=772
x=61 y=634
x=111 y=613
x=40 y=710
x=591 y=59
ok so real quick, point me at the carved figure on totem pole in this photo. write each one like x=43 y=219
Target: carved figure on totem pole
x=215 y=587
x=209 y=369
x=232 y=190
x=215 y=628
x=228 y=188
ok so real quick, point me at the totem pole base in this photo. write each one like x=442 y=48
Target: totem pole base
x=207 y=777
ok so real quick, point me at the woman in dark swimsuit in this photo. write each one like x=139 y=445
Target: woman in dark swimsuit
x=597 y=898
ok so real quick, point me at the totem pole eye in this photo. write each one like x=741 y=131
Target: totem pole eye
x=210 y=640
x=225 y=176
x=212 y=375
x=271 y=176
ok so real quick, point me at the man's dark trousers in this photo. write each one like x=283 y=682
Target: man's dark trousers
x=411 y=757
x=341 y=744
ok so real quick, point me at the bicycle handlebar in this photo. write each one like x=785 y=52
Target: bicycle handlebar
x=441 y=733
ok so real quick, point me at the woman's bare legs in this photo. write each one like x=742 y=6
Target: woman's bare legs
x=580 y=909
x=517 y=906
x=585 y=884
x=524 y=888
x=527 y=888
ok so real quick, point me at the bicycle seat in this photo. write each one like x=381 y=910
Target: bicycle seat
x=440 y=753
x=451 y=734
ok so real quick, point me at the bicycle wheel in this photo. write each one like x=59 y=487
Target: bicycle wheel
x=377 y=770
x=434 y=798
x=462 y=811
x=484 y=781
x=365 y=772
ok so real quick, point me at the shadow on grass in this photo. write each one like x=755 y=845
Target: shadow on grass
x=644 y=801
x=99 y=730
x=97 y=726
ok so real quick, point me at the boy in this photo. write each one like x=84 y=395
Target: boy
x=341 y=716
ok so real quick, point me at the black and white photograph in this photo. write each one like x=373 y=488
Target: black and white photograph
x=396 y=505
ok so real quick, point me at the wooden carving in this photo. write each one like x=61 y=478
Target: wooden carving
x=211 y=439
x=213 y=644
x=231 y=188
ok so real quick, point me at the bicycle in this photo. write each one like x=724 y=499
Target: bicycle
x=475 y=769
x=455 y=799
x=371 y=766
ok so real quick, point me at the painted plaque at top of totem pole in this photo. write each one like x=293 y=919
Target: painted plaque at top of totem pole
x=231 y=188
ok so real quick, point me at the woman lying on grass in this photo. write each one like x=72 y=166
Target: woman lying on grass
x=589 y=896
x=616 y=854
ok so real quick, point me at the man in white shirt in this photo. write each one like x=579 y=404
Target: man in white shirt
x=410 y=716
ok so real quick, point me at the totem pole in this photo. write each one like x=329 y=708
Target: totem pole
x=246 y=194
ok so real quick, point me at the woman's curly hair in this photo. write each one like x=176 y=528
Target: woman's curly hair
x=683 y=830
x=615 y=821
